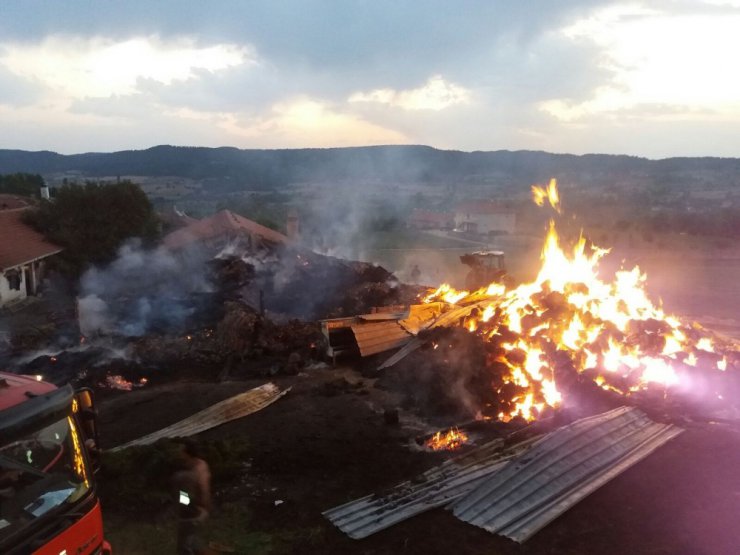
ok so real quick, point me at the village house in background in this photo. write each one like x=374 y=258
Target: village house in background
x=484 y=218
x=23 y=252
x=221 y=229
x=427 y=219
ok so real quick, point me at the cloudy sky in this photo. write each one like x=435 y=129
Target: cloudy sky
x=656 y=78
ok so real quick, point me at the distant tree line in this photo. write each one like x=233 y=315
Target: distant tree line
x=231 y=169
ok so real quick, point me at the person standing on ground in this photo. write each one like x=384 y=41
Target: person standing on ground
x=193 y=482
x=415 y=274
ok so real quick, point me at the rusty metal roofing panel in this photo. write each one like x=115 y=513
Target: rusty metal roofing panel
x=225 y=411
x=434 y=488
x=560 y=470
x=376 y=337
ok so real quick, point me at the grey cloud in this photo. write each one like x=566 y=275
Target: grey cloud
x=317 y=33
x=550 y=66
x=507 y=52
x=16 y=90
x=122 y=122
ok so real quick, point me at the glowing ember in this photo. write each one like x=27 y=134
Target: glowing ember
x=453 y=439
x=118 y=382
x=570 y=313
x=121 y=383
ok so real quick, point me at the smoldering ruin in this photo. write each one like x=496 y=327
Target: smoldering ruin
x=151 y=311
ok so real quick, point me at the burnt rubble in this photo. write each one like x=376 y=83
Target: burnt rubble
x=252 y=314
x=295 y=283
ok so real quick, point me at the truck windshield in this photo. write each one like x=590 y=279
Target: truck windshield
x=39 y=473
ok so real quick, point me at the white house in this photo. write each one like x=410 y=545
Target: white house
x=22 y=254
x=485 y=218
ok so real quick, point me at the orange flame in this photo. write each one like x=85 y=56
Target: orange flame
x=453 y=439
x=539 y=194
x=610 y=326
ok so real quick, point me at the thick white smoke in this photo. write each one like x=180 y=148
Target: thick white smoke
x=142 y=289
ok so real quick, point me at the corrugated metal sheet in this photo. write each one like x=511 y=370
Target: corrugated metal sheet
x=560 y=470
x=420 y=316
x=376 y=337
x=407 y=349
x=434 y=488
x=452 y=316
x=381 y=316
x=516 y=492
x=445 y=319
x=230 y=409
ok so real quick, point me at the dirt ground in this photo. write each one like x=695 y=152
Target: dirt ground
x=326 y=443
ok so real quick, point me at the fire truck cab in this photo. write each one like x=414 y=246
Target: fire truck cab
x=48 y=502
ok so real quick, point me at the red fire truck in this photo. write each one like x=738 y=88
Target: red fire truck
x=48 y=502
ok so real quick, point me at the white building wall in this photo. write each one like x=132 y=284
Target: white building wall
x=500 y=222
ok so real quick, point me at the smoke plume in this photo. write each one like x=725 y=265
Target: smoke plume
x=142 y=291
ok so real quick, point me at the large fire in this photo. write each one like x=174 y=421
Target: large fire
x=608 y=329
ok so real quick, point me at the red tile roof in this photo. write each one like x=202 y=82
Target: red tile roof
x=221 y=224
x=19 y=243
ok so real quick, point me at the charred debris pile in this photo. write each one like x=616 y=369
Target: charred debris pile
x=250 y=312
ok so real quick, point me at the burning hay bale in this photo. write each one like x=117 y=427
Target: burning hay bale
x=549 y=343
x=458 y=374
